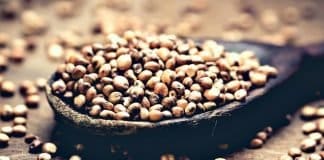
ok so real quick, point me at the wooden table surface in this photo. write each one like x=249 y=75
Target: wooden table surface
x=40 y=120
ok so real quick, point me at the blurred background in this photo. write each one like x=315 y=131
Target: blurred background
x=279 y=22
x=30 y=31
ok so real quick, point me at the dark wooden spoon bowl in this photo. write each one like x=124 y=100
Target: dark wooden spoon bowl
x=268 y=54
x=262 y=107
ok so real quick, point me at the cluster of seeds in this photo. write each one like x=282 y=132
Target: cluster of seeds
x=145 y=77
x=46 y=150
x=260 y=138
x=18 y=116
x=18 y=129
x=311 y=147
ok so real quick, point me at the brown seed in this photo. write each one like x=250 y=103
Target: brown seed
x=120 y=83
x=144 y=114
x=115 y=97
x=44 y=156
x=92 y=92
x=320 y=112
x=177 y=111
x=211 y=94
x=19 y=130
x=49 y=148
x=308 y=145
x=30 y=138
x=1 y=79
x=269 y=20
x=262 y=135
x=4 y=139
x=182 y=103
x=79 y=147
x=290 y=15
x=187 y=81
x=285 y=157
x=219 y=159
x=195 y=96
x=95 y=110
x=33 y=90
x=170 y=63
x=168 y=102
x=163 y=53
x=3 y=62
x=240 y=94
x=158 y=107
x=124 y=62
x=18 y=54
x=4 y=39
x=6 y=130
x=206 y=82
x=167 y=157
x=145 y=75
x=209 y=105
x=59 y=86
x=7 y=112
x=309 y=11
x=320 y=125
x=20 y=121
x=119 y=108
x=190 y=109
x=229 y=96
x=64 y=8
x=98 y=61
x=309 y=127
x=55 y=51
x=268 y=70
x=79 y=101
x=308 y=112
x=107 y=90
x=107 y=114
x=32 y=22
x=122 y=116
x=315 y=156
x=256 y=143
x=20 y=110
x=321 y=154
x=300 y=158
x=78 y=72
x=167 y=76
x=191 y=70
x=196 y=87
x=167 y=114
x=155 y=115
x=178 y=87
x=7 y=88
x=152 y=66
x=32 y=101
x=317 y=136
x=134 y=109
x=75 y=157
x=161 y=89
x=136 y=92
x=35 y=146
x=41 y=83
x=258 y=78
x=104 y=70
x=152 y=82
x=294 y=152
x=232 y=86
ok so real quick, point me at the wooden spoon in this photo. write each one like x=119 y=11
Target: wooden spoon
x=234 y=123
